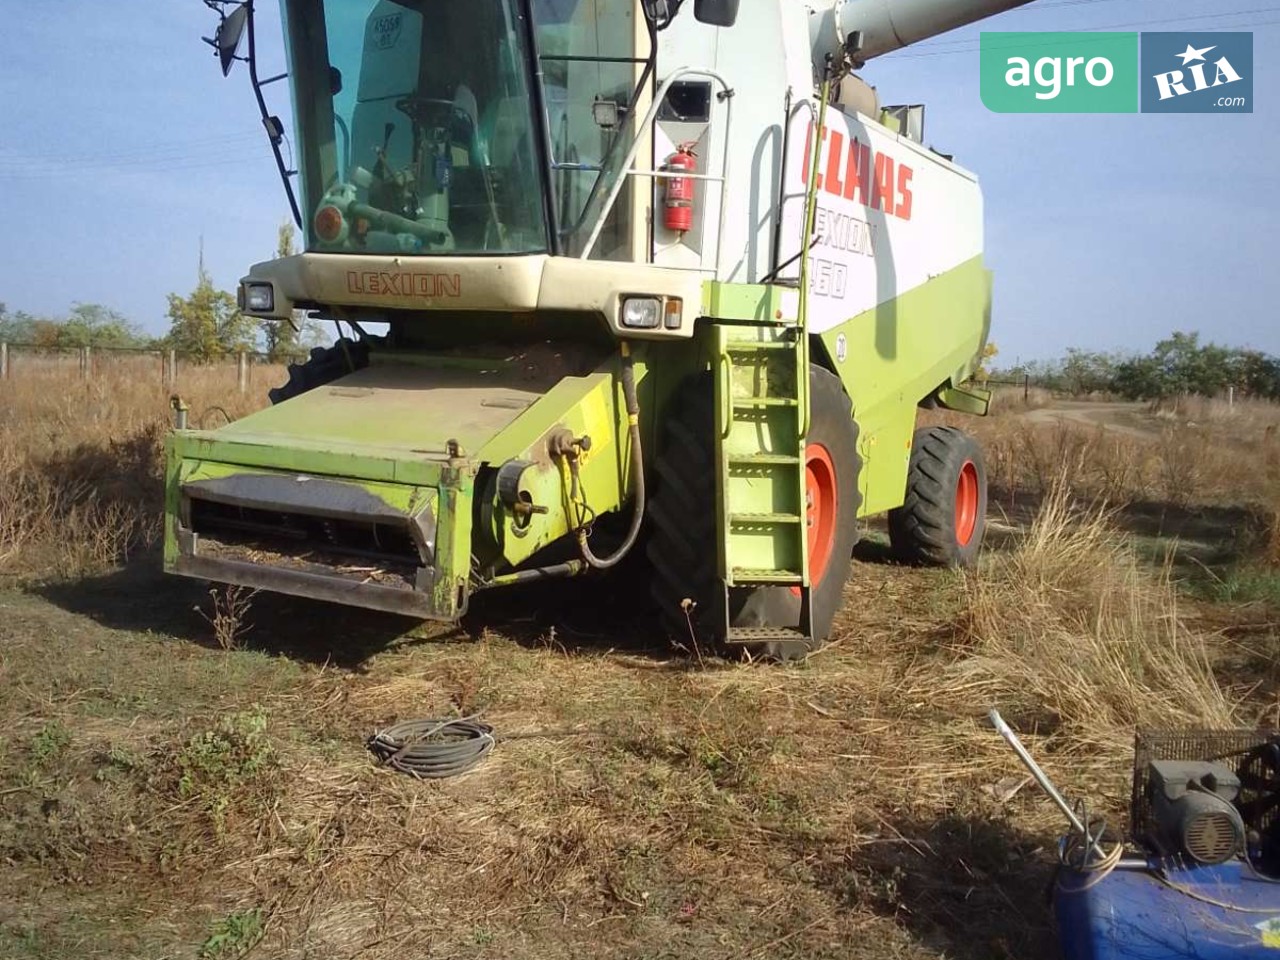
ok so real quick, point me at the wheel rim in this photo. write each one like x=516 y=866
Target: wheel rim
x=966 y=503
x=822 y=507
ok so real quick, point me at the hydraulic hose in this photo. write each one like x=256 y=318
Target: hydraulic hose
x=637 y=472
x=432 y=749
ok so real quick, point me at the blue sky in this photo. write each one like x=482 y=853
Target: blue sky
x=123 y=146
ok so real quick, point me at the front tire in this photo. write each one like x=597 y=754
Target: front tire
x=682 y=511
x=943 y=519
x=325 y=365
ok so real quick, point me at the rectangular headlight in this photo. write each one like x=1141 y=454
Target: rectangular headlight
x=642 y=312
x=259 y=297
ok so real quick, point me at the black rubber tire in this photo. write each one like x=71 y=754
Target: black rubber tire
x=682 y=515
x=923 y=530
x=325 y=365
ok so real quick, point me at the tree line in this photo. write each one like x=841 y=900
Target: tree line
x=204 y=325
x=1179 y=365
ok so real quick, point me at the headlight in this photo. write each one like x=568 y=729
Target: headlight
x=642 y=312
x=259 y=297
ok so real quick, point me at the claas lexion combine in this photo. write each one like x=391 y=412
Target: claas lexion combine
x=647 y=280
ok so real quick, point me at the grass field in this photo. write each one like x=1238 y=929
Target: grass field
x=173 y=787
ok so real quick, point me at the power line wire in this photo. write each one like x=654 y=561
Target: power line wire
x=968 y=45
x=137 y=150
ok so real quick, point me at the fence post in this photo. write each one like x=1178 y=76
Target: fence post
x=173 y=367
x=242 y=371
x=1026 y=388
x=4 y=360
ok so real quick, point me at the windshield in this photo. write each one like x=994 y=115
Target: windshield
x=416 y=127
x=590 y=74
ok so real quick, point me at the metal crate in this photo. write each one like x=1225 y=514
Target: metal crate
x=1236 y=749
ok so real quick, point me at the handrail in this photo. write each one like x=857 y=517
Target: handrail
x=627 y=166
x=810 y=205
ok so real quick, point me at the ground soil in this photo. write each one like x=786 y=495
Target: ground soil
x=647 y=803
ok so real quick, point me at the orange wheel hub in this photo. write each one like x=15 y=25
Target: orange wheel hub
x=966 y=503
x=822 y=508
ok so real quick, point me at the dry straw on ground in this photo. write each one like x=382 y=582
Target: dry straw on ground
x=81 y=460
x=857 y=804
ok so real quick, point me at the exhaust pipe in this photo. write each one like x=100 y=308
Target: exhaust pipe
x=888 y=25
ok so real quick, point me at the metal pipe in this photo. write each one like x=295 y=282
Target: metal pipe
x=1042 y=778
x=542 y=120
x=888 y=25
x=265 y=113
x=180 y=409
x=570 y=568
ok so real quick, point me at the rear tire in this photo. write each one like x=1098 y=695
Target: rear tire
x=944 y=516
x=682 y=514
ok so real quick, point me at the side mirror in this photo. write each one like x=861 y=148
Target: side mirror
x=230 y=32
x=718 y=13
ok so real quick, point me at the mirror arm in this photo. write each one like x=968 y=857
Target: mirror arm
x=285 y=172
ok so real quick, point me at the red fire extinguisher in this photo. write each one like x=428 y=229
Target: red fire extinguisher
x=678 y=212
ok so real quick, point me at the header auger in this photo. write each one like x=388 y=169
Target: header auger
x=616 y=276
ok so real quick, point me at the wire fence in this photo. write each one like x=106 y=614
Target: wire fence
x=168 y=366
x=22 y=360
x=1024 y=382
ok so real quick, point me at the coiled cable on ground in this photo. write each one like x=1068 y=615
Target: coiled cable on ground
x=1075 y=854
x=1079 y=853
x=434 y=748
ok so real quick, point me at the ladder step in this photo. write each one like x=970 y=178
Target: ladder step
x=755 y=575
x=749 y=403
x=764 y=518
x=752 y=346
x=762 y=459
x=765 y=635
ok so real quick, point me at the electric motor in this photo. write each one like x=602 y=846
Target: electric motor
x=1191 y=802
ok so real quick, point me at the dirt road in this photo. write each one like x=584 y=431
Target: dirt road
x=1118 y=417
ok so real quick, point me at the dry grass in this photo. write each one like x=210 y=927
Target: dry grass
x=1071 y=628
x=1124 y=458
x=1012 y=399
x=81 y=460
x=166 y=787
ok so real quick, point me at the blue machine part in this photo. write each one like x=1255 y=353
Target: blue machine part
x=1168 y=910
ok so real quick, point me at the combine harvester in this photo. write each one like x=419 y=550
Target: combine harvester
x=629 y=297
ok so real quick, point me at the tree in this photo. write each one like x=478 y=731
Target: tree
x=93 y=325
x=18 y=327
x=281 y=336
x=88 y=325
x=285 y=339
x=1256 y=374
x=207 y=324
x=1087 y=372
x=1140 y=378
x=989 y=353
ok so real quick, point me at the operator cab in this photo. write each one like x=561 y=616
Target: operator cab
x=424 y=124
